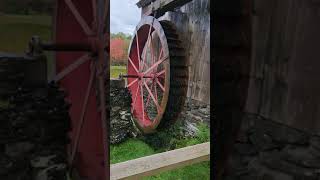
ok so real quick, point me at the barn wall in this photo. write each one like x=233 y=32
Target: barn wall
x=193 y=25
x=285 y=74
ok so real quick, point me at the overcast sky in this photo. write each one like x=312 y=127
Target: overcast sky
x=124 y=16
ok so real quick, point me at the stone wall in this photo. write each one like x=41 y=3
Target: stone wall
x=34 y=122
x=272 y=151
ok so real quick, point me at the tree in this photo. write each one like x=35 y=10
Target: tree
x=117 y=50
x=119 y=46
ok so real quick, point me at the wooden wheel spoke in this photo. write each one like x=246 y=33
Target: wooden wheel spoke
x=83 y=112
x=72 y=67
x=78 y=17
x=153 y=98
x=134 y=81
x=134 y=66
x=160 y=85
x=155 y=65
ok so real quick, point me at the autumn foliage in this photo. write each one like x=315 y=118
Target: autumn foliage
x=119 y=49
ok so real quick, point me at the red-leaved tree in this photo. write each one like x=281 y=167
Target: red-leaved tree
x=118 y=50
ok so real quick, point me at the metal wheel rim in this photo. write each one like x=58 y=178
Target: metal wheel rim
x=141 y=118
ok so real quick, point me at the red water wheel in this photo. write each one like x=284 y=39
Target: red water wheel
x=81 y=28
x=157 y=74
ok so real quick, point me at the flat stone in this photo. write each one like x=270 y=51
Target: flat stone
x=5 y=165
x=45 y=174
x=301 y=156
x=42 y=162
x=262 y=141
x=116 y=108
x=262 y=172
x=273 y=160
x=245 y=149
x=18 y=149
x=205 y=111
x=315 y=142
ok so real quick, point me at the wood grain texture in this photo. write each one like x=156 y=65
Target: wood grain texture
x=154 y=164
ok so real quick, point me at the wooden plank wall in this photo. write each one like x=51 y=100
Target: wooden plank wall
x=193 y=25
x=285 y=74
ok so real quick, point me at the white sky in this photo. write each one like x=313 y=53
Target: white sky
x=124 y=16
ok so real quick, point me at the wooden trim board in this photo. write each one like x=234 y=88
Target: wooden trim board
x=157 y=163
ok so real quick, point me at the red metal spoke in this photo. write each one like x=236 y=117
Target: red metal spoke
x=148 y=45
x=79 y=18
x=153 y=98
x=106 y=11
x=142 y=104
x=134 y=81
x=160 y=85
x=160 y=54
x=148 y=99
x=155 y=65
x=134 y=66
x=143 y=64
x=83 y=112
x=135 y=98
x=106 y=37
x=161 y=72
x=155 y=91
x=72 y=67
x=138 y=50
x=152 y=51
x=94 y=11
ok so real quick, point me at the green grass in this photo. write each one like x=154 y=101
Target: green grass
x=116 y=70
x=162 y=141
x=130 y=149
x=17 y=30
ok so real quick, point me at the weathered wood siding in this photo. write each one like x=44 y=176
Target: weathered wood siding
x=193 y=25
x=285 y=74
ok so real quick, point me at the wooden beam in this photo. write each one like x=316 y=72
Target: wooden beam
x=161 y=6
x=157 y=163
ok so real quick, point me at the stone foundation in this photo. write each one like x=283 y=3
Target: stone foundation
x=33 y=134
x=271 y=151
